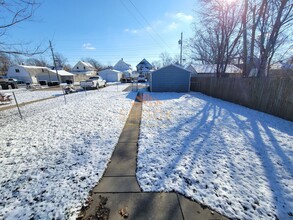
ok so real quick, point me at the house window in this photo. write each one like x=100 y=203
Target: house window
x=84 y=67
x=42 y=70
x=17 y=70
x=77 y=67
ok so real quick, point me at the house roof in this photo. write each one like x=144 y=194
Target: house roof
x=116 y=71
x=39 y=69
x=121 y=62
x=212 y=68
x=34 y=70
x=145 y=63
x=63 y=73
x=88 y=65
x=173 y=65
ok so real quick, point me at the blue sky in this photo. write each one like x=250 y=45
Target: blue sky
x=109 y=30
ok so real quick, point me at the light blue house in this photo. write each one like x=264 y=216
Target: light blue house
x=172 y=78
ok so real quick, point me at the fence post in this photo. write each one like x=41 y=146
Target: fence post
x=64 y=96
x=17 y=105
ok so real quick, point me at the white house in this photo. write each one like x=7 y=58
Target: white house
x=110 y=75
x=35 y=74
x=122 y=66
x=144 y=66
x=83 y=68
x=211 y=70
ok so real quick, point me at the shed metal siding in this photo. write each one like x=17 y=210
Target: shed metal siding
x=170 y=79
x=110 y=75
x=114 y=76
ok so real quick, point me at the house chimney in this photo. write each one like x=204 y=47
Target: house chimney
x=122 y=59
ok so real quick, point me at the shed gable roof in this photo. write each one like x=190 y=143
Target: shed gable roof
x=110 y=70
x=172 y=66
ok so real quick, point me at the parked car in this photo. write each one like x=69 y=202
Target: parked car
x=126 y=78
x=93 y=83
x=8 y=83
x=12 y=80
x=141 y=78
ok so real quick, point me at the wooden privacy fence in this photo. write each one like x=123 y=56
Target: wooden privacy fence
x=271 y=95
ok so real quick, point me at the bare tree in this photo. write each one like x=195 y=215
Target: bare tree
x=18 y=59
x=96 y=64
x=67 y=67
x=166 y=59
x=217 y=37
x=176 y=59
x=266 y=25
x=60 y=60
x=253 y=30
x=37 y=62
x=203 y=47
x=5 y=62
x=245 y=47
x=11 y=14
x=275 y=18
x=156 y=64
x=290 y=60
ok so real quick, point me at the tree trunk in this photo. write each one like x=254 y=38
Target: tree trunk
x=251 y=64
x=263 y=67
x=244 y=23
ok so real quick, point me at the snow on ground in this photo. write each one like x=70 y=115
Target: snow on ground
x=24 y=95
x=52 y=159
x=233 y=159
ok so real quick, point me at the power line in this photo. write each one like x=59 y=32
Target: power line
x=143 y=17
x=140 y=23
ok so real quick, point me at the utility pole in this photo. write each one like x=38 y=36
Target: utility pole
x=56 y=69
x=181 y=42
x=54 y=62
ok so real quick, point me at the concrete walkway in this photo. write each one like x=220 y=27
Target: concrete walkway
x=119 y=196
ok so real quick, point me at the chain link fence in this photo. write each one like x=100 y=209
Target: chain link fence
x=22 y=104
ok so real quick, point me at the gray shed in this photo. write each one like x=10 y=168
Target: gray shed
x=172 y=78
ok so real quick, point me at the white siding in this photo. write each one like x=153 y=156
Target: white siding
x=82 y=67
x=47 y=76
x=111 y=75
x=20 y=73
x=122 y=66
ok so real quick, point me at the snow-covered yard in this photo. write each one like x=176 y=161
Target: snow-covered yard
x=233 y=159
x=51 y=160
x=24 y=95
